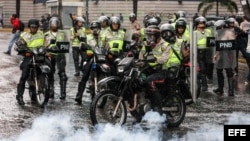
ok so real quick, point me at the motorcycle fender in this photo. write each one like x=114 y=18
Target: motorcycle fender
x=45 y=69
x=104 y=81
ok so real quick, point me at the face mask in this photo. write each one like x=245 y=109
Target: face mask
x=151 y=40
x=96 y=31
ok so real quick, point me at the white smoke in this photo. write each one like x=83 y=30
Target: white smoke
x=214 y=132
x=60 y=127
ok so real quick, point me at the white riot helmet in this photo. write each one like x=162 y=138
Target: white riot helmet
x=80 y=19
x=54 y=21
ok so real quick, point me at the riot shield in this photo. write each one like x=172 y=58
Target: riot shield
x=210 y=44
x=193 y=61
x=225 y=49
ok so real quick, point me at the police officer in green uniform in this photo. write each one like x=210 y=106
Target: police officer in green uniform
x=164 y=56
x=59 y=59
x=78 y=36
x=202 y=34
x=104 y=21
x=145 y=24
x=114 y=40
x=181 y=30
x=31 y=39
x=93 y=40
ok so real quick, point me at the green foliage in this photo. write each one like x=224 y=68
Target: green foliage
x=208 y=5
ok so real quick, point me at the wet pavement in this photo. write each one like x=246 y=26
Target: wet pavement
x=209 y=109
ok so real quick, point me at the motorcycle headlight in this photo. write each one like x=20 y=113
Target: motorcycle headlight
x=41 y=50
x=101 y=57
x=120 y=69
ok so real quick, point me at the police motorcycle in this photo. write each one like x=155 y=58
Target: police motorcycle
x=99 y=68
x=38 y=79
x=127 y=94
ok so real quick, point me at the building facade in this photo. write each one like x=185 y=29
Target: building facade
x=164 y=8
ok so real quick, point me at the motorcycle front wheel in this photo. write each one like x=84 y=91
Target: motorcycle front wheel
x=42 y=97
x=105 y=113
x=175 y=109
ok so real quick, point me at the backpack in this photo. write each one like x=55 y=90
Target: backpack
x=22 y=25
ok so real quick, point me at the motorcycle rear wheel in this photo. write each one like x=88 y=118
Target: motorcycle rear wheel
x=175 y=109
x=104 y=114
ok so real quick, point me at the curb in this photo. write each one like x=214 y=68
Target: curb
x=5 y=29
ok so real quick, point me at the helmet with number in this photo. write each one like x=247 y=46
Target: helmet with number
x=180 y=14
x=153 y=21
x=33 y=22
x=220 y=24
x=132 y=16
x=115 y=20
x=168 y=33
x=54 y=21
x=79 y=19
x=180 y=23
x=152 y=34
x=200 y=19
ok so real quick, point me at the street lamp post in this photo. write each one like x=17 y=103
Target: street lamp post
x=87 y=14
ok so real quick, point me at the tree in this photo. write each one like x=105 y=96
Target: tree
x=208 y=5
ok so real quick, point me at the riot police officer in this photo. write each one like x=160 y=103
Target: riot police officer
x=164 y=56
x=113 y=40
x=181 y=30
x=78 y=36
x=31 y=39
x=59 y=59
x=202 y=49
x=93 y=40
x=104 y=21
x=225 y=59
x=134 y=25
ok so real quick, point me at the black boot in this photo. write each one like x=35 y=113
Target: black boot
x=220 y=79
x=51 y=87
x=156 y=101
x=20 y=91
x=63 y=83
x=230 y=86
x=77 y=70
x=81 y=88
x=63 y=89
x=204 y=82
